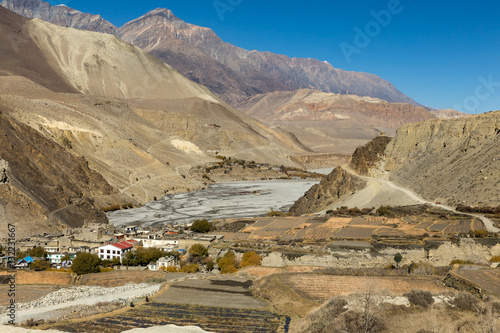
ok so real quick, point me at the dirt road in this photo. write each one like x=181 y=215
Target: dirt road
x=412 y=196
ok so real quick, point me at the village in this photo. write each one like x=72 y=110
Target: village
x=333 y=240
x=106 y=241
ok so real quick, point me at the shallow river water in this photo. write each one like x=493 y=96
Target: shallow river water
x=221 y=200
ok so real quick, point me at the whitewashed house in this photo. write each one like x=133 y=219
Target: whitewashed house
x=162 y=263
x=116 y=250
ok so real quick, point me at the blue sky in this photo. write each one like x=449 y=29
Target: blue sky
x=443 y=54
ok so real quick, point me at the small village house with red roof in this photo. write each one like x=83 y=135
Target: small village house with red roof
x=115 y=250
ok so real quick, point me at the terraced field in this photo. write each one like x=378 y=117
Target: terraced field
x=313 y=229
x=210 y=318
x=318 y=286
x=215 y=305
x=486 y=278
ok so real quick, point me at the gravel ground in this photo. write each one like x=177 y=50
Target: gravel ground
x=54 y=304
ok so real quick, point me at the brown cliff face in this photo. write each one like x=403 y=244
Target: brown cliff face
x=337 y=185
x=452 y=161
x=367 y=156
x=44 y=182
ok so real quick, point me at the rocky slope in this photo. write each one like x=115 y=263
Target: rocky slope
x=232 y=73
x=451 y=161
x=332 y=123
x=257 y=72
x=448 y=114
x=336 y=186
x=367 y=156
x=60 y=15
x=44 y=183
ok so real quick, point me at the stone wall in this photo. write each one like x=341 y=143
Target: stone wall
x=442 y=255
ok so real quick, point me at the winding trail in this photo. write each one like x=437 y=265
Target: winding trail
x=488 y=224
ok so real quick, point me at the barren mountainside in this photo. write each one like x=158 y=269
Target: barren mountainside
x=452 y=161
x=256 y=72
x=136 y=121
x=332 y=123
x=43 y=183
x=59 y=15
x=234 y=74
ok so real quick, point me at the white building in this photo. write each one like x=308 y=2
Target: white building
x=116 y=250
x=163 y=262
x=167 y=245
x=56 y=258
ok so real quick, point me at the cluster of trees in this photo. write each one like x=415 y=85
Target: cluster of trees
x=36 y=252
x=144 y=256
x=86 y=263
x=202 y=226
x=480 y=210
x=229 y=264
x=344 y=210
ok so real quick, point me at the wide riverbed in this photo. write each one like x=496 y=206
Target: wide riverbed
x=221 y=200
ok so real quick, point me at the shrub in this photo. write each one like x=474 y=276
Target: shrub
x=32 y=322
x=227 y=264
x=210 y=264
x=420 y=298
x=274 y=213
x=106 y=269
x=495 y=259
x=355 y=322
x=465 y=302
x=202 y=226
x=384 y=210
x=40 y=265
x=111 y=208
x=421 y=268
x=397 y=258
x=250 y=258
x=171 y=269
x=479 y=233
x=190 y=268
x=198 y=250
x=85 y=263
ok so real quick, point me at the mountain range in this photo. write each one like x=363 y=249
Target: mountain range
x=230 y=72
x=132 y=119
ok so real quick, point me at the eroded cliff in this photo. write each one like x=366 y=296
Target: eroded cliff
x=337 y=185
x=452 y=161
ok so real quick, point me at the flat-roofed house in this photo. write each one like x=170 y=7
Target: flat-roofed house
x=115 y=250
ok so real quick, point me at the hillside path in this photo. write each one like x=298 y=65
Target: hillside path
x=488 y=224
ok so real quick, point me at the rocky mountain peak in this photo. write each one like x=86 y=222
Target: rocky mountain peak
x=233 y=73
x=59 y=15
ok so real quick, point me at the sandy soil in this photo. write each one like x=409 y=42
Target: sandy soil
x=225 y=293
